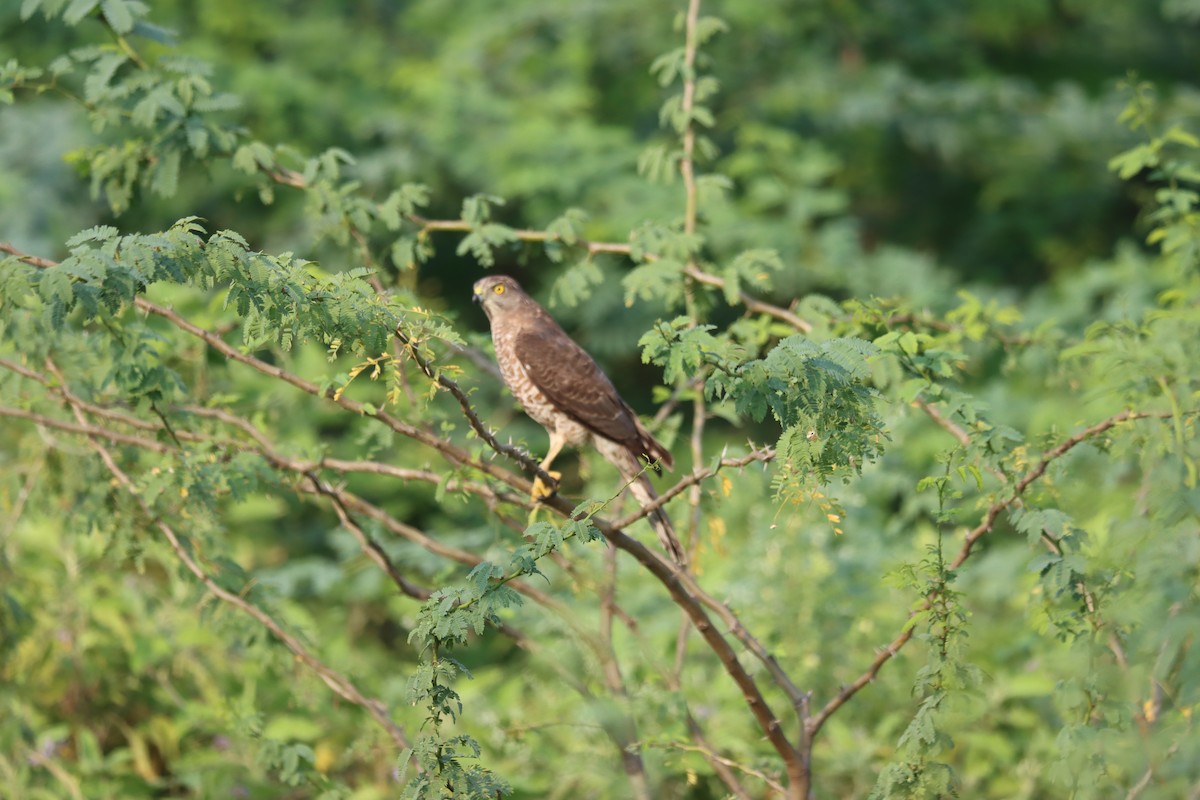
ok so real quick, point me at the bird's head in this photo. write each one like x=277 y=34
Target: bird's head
x=499 y=294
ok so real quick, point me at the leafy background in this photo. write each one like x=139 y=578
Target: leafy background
x=972 y=235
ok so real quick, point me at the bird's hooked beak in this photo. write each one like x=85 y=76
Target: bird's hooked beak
x=478 y=297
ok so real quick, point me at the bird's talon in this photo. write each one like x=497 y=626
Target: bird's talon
x=540 y=490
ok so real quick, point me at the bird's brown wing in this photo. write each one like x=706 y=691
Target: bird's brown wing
x=574 y=383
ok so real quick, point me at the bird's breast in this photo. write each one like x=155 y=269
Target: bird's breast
x=532 y=399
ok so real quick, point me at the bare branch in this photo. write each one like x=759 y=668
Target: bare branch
x=364 y=466
x=818 y=720
x=368 y=545
x=687 y=164
x=750 y=302
x=945 y=424
x=724 y=765
x=764 y=455
x=682 y=590
x=25 y=258
x=84 y=429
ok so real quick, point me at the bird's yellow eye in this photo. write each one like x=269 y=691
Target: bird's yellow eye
x=499 y=288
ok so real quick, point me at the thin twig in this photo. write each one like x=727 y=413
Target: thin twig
x=750 y=302
x=716 y=758
x=942 y=421
x=687 y=165
x=1049 y=457
x=720 y=765
x=84 y=429
x=1054 y=546
x=764 y=455
x=18 y=508
x=264 y=448
x=687 y=169
x=368 y=545
x=377 y=554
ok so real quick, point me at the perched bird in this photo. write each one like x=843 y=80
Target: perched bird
x=564 y=390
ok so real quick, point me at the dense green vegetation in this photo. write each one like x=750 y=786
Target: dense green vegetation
x=910 y=290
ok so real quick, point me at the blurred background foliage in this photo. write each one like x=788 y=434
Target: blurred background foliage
x=973 y=134
x=894 y=153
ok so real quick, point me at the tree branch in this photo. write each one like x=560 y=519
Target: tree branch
x=749 y=301
x=681 y=588
x=84 y=429
x=764 y=455
x=683 y=595
x=687 y=164
x=724 y=767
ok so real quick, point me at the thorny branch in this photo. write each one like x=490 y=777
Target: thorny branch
x=449 y=450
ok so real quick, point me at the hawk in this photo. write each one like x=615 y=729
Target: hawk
x=564 y=390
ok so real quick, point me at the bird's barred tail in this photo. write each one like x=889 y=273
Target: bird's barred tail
x=643 y=490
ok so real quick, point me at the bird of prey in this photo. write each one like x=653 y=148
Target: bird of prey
x=564 y=390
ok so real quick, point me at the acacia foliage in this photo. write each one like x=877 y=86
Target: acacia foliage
x=944 y=543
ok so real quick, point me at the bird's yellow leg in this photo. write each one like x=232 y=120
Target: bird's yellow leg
x=540 y=489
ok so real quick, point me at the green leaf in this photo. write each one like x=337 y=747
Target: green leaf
x=103 y=69
x=667 y=67
x=29 y=8
x=575 y=284
x=77 y=10
x=293 y=727
x=118 y=14
x=99 y=233
x=165 y=178
x=252 y=157
x=660 y=279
